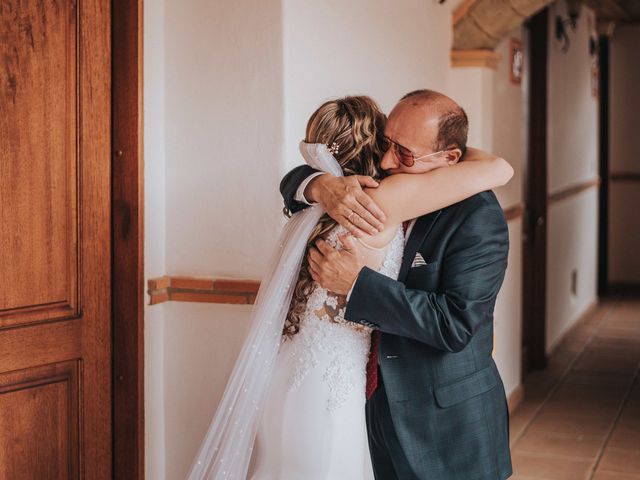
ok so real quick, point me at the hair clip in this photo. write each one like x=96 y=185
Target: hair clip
x=334 y=148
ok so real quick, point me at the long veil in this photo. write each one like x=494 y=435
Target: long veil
x=226 y=450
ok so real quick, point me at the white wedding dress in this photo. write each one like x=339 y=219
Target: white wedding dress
x=313 y=424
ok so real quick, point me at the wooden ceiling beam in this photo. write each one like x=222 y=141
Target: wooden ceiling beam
x=481 y=24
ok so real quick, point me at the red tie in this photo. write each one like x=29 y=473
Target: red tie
x=372 y=364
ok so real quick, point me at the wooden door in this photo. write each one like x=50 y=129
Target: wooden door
x=55 y=242
x=534 y=236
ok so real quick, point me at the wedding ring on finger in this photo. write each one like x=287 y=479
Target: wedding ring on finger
x=349 y=216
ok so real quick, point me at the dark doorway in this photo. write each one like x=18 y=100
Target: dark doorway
x=535 y=219
x=603 y=200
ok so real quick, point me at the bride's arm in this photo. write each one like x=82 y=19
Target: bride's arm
x=407 y=196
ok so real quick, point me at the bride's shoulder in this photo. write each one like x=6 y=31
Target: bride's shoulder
x=381 y=240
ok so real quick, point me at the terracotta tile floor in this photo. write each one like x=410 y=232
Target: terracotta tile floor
x=580 y=419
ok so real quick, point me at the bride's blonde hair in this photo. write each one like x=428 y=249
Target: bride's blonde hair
x=355 y=126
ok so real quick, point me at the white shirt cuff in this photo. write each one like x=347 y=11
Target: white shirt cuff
x=351 y=291
x=299 y=196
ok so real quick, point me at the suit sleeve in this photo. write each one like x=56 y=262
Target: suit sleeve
x=289 y=185
x=472 y=272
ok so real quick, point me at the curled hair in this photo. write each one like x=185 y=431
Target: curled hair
x=356 y=125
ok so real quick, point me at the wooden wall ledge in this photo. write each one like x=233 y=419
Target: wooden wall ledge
x=192 y=289
x=514 y=212
x=475 y=58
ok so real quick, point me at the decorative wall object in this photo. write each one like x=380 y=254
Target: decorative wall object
x=517 y=61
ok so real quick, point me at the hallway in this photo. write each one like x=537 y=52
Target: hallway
x=580 y=418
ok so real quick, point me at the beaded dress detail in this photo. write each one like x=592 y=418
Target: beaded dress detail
x=323 y=329
x=315 y=407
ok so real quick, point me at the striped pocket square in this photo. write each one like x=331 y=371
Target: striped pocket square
x=418 y=261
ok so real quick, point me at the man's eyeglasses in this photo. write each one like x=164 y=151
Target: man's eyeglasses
x=403 y=154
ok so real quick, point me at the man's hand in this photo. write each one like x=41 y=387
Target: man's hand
x=345 y=201
x=335 y=270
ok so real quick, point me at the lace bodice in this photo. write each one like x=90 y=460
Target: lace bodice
x=326 y=340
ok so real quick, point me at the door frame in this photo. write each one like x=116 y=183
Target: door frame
x=603 y=194
x=127 y=208
x=534 y=246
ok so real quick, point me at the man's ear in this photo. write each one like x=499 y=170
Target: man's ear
x=453 y=156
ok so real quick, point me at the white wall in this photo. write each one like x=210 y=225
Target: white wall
x=202 y=343
x=508 y=128
x=573 y=112
x=508 y=140
x=572 y=244
x=154 y=235
x=478 y=102
x=508 y=315
x=224 y=114
x=381 y=49
x=624 y=152
x=572 y=159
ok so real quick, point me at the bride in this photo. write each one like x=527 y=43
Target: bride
x=297 y=391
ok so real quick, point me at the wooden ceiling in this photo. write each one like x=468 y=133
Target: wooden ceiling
x=482 y=24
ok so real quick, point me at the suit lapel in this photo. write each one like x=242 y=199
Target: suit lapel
x=420 y=230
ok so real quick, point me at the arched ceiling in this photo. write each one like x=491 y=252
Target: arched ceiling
x=481 y=24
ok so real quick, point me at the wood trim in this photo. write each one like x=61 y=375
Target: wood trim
x=514 y=212
x=624 y=176
x=475 y=58
x=515 y=398
x=573 y=190
x=128 y=240
x=208 y=290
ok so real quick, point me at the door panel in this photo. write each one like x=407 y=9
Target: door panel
x=41 y=402
x=55 y=243
x=40 y=154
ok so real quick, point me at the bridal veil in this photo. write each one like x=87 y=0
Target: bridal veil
x=226 y=450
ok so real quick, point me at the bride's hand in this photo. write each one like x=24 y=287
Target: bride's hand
x=345 y=201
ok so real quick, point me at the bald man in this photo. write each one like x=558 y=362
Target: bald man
x=436 y=409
